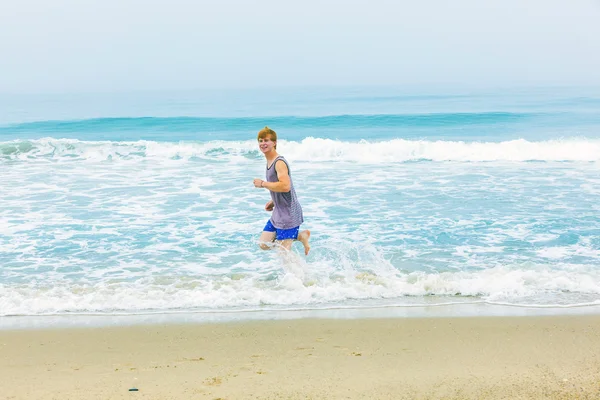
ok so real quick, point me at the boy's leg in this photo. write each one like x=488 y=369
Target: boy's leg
x=286 y=244
x=266 y=240
x=304 y=237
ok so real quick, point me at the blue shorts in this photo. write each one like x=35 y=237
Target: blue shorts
x=282 y=234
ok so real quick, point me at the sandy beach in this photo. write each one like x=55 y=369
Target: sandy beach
x=431 y=358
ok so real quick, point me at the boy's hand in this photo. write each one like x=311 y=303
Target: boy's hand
x=269 y=206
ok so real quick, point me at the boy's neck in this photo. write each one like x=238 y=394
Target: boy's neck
x=270 y=156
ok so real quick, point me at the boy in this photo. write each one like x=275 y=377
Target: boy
x=284 y=224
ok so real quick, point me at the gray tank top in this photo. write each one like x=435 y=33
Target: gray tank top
x=287 y=213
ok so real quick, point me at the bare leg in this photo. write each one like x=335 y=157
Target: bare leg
x=266 y=240
x=304 y=237
x=285 y=249
x=291 y=262
x=286 y=244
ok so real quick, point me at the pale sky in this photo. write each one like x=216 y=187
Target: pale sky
x=49 y=46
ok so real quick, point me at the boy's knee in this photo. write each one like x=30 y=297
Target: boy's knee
x=264 y=246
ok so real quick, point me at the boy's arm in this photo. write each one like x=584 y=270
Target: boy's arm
x=284 y=185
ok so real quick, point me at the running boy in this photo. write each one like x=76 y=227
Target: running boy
x=284 y=224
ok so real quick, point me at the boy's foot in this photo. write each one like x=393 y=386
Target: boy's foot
x=303 y=237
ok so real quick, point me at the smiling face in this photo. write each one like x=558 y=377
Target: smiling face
x=266 y=144
x=267 y=140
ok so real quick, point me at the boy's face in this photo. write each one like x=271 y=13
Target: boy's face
x=266 y=144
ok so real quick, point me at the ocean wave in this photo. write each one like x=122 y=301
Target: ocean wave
x=309 y=149
x=538 y=287
x=213 y=124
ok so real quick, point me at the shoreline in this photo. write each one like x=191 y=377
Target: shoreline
x=378 y=358
x=449 y=310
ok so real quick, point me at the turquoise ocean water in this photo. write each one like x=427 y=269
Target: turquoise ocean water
x=144 y=203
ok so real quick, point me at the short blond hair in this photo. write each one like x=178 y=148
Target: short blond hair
x=266 y=131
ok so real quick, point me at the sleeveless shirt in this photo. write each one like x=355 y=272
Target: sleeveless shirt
x=287 y=213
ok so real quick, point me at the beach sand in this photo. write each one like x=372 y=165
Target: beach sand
x=430 y=358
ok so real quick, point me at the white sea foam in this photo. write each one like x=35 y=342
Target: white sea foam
x=316 y=289
x=310 y=149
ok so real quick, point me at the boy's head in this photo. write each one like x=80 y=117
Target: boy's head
x=267 y=133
